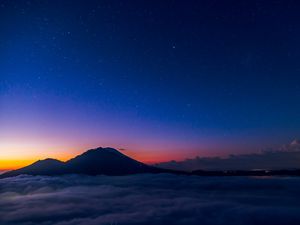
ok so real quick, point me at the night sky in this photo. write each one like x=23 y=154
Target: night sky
x=160 y=80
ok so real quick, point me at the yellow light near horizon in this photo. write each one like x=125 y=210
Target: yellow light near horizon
x=18 y=154
x=14 y=164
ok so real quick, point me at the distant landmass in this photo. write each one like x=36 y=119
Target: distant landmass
x=286 y=157
x=109 y=161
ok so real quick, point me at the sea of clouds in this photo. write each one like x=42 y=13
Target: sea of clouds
x=163 y=199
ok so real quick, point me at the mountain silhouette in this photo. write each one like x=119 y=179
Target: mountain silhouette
x=109 y=161
x=106 y=161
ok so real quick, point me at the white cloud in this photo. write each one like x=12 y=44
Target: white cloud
x=149 y=199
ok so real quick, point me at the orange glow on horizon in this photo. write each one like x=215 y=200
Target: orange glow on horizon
x=15 y=156
x=151 y=157
x=11 y=162
x=17 y=153
x=24 y=148
x=14 y=164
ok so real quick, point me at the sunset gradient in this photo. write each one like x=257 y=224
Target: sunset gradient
x=160 y=80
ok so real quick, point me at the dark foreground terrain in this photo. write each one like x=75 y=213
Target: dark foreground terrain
x=149 y=199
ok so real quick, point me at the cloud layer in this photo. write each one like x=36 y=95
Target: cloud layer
x=149 y=199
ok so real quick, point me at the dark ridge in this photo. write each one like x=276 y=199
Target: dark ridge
x=295 y=172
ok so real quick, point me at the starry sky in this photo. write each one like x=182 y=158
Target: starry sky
x=159 y=80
